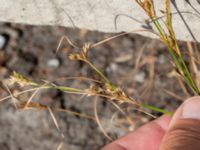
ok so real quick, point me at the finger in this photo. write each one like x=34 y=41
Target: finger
x=184 y=128
x=147 y=137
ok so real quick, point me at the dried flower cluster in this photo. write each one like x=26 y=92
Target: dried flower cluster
x=148 y=7
x=20 y=79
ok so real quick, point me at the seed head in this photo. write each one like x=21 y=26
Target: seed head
x=148 y=6
x=76 y=56
x=20 y=79
x=86 y=48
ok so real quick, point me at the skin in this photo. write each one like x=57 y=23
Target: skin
x=148 y=137
x=179 y=132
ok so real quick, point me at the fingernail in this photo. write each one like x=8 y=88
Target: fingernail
x=191 y=108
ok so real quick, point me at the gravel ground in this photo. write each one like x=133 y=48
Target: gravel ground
x=141 y=66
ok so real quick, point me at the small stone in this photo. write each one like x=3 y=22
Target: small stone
x=2 y=41
x=53 y=63
x=139 y=77
x=113 y=67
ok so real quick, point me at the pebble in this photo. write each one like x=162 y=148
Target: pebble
x=2 y=41
x=53 y=63
x=140 y=77
x=113 y=67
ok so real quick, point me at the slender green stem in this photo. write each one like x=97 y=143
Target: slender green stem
x=159 y=27
x=69 y=89
x=157 y=109
x=189 y=76
x=181 y=65
x=62 y=88
x=75 y=90
x=179 y=61
x=100 y=73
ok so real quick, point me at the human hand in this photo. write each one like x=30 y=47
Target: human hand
x=180 y=132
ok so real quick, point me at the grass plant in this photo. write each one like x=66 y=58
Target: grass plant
x=108 y=89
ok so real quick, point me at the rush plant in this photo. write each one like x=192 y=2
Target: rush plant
x=167 y=35
x=107 y=88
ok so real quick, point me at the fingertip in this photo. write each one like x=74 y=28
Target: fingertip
x=163 y=122
x=189 y=109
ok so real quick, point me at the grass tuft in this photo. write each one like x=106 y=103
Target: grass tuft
x=105 y=87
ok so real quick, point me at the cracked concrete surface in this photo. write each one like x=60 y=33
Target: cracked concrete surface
x=101 y=15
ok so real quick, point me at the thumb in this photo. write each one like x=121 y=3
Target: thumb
x=184 y=128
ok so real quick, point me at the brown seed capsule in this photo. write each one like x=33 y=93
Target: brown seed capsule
x=148 y=7
x=75 y=56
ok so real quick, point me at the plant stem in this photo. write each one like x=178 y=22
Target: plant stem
x=157 y=109
x=179 y=61
x=181 y=65
x=62 y=88
x=100 y=74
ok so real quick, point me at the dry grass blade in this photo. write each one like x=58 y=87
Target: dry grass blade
x=98 y=120
x=60 y=146
x=54 y=118
x=193 y=63
x=123 y=112
x=122 y=34
x=39 y=106
x=150 y=83
x=137 y=64
x=174 y=95
x=183 y=86
x=14 y=100
x=32 y=96
x=55 y=122
x=68 y=40
x=75 y=113
x=17 y=94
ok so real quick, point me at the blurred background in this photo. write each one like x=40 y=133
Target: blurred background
x=139 y=65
